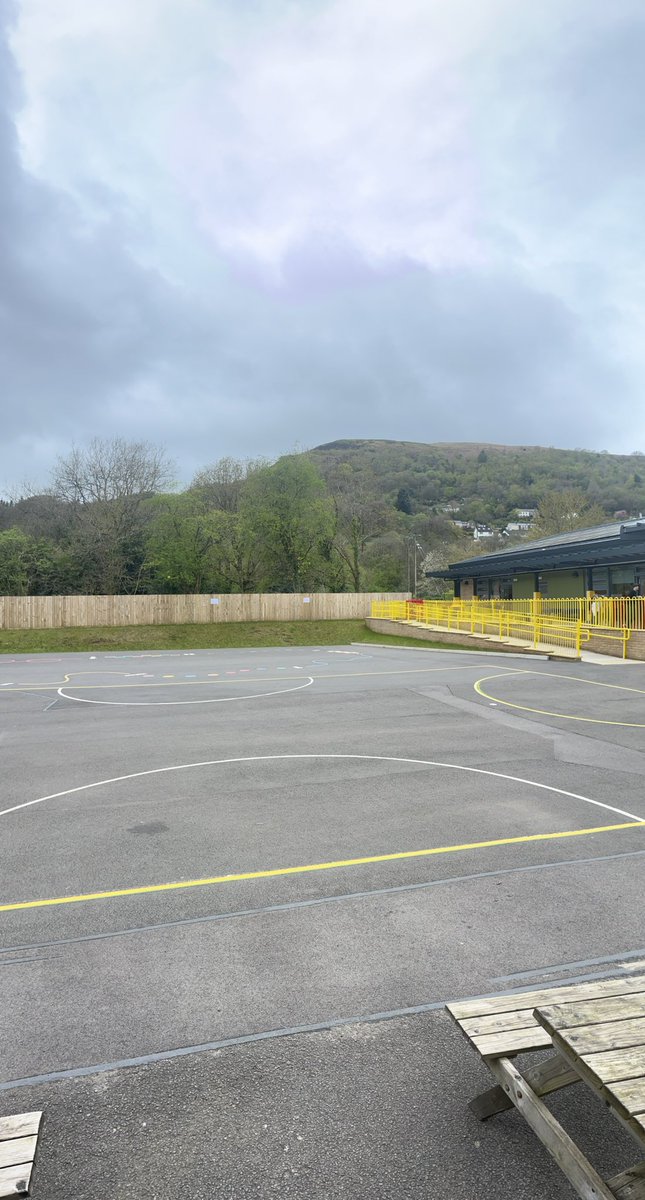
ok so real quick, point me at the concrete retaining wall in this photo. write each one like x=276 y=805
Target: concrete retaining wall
x=600 y=645
x=445 y=636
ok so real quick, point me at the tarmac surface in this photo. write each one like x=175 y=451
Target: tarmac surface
x=238 y=887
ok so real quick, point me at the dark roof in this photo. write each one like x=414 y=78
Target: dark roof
x=616 y=542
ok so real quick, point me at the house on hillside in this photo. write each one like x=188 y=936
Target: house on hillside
x=607 y=559
x=517 y=527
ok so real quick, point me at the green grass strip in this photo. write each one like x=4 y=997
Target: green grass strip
x=233 y=635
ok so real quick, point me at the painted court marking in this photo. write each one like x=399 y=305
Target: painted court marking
x=336 y=898
x=47 y=687
x=209 y=881
x=174 y=703
x=545 y=712
x=633 y=820
x=419 y=762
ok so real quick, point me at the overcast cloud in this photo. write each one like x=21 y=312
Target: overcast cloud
x=234 y=227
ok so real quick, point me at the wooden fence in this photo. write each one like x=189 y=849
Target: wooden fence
x=58 y=612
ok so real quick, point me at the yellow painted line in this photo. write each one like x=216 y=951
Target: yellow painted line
x=84 y=687
x=545 y=712
x=326 y=866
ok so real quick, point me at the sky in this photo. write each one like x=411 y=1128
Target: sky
x=242 y=228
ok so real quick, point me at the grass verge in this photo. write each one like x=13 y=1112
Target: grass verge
x=234 y=634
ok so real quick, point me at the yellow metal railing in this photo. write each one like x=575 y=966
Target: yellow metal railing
x=609 y=612
x=561 y=623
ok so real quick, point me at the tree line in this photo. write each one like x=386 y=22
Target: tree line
x=111 y=522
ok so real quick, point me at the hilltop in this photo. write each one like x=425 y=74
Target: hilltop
x=487 y=482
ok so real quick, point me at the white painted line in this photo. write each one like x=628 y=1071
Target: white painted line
x=175 y=703
x=418 y=762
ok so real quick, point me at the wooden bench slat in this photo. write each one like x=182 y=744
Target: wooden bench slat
x=14 y=1181
x=631 y=1094
x=629 y=1185
x=614 y=1035
x=594 y=1012
x=514 y=1041
x=610 y=1066
x=505 y=1002
x=19 y=1125
x=19 y=1150
x=498 y=1022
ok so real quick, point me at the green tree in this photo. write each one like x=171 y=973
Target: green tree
x=286 y=509
x=190 y=549
x=403 y=500
x=32 y=566
x=17 y=554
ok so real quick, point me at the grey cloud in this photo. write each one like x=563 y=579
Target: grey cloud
x=227 y=360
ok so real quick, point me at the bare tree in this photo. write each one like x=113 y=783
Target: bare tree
x=220 y=485
x=359 y=518
x=105 y=488
x=569 y=509
x=111 y=470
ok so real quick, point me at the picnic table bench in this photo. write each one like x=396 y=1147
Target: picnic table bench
x=597 y=1031
x=18 y=1140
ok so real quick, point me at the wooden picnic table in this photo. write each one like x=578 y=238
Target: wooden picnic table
x=18 y=1139
x=603 y=1041
x=597 y=1030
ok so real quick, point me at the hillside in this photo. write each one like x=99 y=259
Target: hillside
x=488 y=482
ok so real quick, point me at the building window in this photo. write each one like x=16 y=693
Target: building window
x=600 y=580
x=623 y=578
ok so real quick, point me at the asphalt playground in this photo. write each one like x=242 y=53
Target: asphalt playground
x=238 y=887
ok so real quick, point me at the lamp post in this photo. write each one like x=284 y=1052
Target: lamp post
x=413 y=547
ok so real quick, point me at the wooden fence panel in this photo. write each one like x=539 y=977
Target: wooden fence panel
x=58 y=612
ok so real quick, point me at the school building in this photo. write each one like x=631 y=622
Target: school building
x=607 y=559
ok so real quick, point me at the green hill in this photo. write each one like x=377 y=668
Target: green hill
x=488 y=482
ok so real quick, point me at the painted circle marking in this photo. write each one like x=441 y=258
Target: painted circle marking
x=423 y=762
x=173 y=703
x=545 y=712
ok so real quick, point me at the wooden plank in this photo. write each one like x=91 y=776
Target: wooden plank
x=614 y=1035
x=18 y=1150
x=551 y=1075
x=592 y=1068
x=612 y=1065
x=498 y=1022
x=548 y=1076
x=490 y=1103
x=578 y=1170
x=592 y=1012
x=631 y=1094
x=14 y=1181
x=19 y=1125
x=629 y=1185
x=514 y=1041
x=546 y=996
